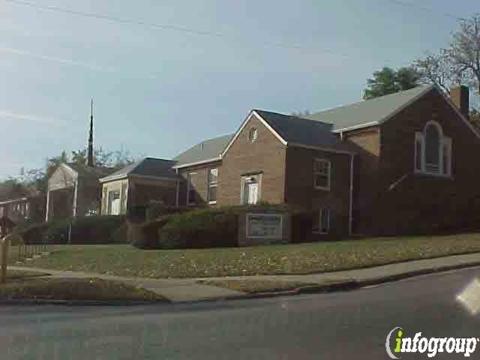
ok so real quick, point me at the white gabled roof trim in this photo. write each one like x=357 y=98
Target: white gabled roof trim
x=218 y=158
x=13 y=201
x=355 y=127
x=108 y=179
x=245 y=122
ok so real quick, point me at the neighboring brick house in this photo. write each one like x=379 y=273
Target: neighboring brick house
x=395 y=164
x=132 y=188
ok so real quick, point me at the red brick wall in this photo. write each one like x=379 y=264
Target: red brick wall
x=423 y=202
x=367 y=156
x=199 y=182
x=300 y=191
x=266 y=155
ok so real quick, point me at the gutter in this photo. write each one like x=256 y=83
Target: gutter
x=218 y=158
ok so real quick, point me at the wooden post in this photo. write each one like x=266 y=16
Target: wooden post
x=3 y=275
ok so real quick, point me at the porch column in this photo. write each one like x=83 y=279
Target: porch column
x=47 y=210
x=75 y=198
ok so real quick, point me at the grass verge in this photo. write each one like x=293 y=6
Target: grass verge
x=73 y=289
x=125 y=260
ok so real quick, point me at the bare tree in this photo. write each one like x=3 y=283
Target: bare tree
x=435 y=68
x=463 y=53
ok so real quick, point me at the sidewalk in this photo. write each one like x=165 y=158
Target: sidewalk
x=186 y=290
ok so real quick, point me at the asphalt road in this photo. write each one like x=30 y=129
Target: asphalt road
x=343 y=325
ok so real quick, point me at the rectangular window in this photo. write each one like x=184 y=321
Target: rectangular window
x=191 y=194
x=114 y=202
x=250 y=189
x=321 y=221
x=212 y=185
x=321 y=174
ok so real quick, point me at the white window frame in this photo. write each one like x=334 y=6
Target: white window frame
x=110 y=194
x=243 y=181
x=212 y=184
x=445 y=141
x=319 y=229
x=315 y=173
x=190 y=187
x=253 y=135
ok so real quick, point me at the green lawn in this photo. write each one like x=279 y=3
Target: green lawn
x=279 y=259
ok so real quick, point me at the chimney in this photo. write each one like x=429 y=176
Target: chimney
x=90 y=162
x=460 y=96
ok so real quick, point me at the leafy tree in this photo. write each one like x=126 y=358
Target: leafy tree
x=388 y=81
x=300 y=113
x=475 y=118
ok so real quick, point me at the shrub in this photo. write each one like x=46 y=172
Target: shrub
x=96 y=229
x=200 y=229
x=145 y=236
x=84 y=230
x=156 y=209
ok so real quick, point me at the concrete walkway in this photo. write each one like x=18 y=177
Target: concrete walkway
x=181 y=290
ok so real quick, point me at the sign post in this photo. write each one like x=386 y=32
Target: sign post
x=4 y=245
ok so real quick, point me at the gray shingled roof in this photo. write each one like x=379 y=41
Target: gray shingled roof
x=369 y=111
x=295 y=130
x=95 y=172
x=316 y=129
x=205 y=150
x=146 y=167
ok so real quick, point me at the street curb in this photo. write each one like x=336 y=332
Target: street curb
x=27 y=302
x=346 y=285
x=342 y=285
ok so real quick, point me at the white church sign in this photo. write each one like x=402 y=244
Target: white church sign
x=265 y=226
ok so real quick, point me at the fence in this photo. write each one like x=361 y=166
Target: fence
x=14 y=249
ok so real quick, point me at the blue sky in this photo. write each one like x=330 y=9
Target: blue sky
x=158 y=90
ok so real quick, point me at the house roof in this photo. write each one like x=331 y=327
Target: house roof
x=369 y=112
x=204 y=151
x=295 y=130
x=14 y=192
x=90 y=172
x=148 y=166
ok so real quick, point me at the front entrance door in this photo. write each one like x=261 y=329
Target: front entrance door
x=250 y=190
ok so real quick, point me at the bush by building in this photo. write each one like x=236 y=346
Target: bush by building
x=196 y=228
x=83 y=230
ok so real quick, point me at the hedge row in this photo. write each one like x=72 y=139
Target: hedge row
x=200 y=228
x=83 y=230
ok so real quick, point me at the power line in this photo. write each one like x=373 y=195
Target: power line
x=425 y=8
x=157 y=26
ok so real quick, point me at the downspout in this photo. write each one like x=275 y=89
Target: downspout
x=350 y=210
x=178 y=190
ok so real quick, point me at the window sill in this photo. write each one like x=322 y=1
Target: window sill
x=319 y=232
x=321 y=188
x=424 y=173
x=212 y=202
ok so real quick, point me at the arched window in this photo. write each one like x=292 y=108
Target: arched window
x=432 y=151
x=433 y=135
